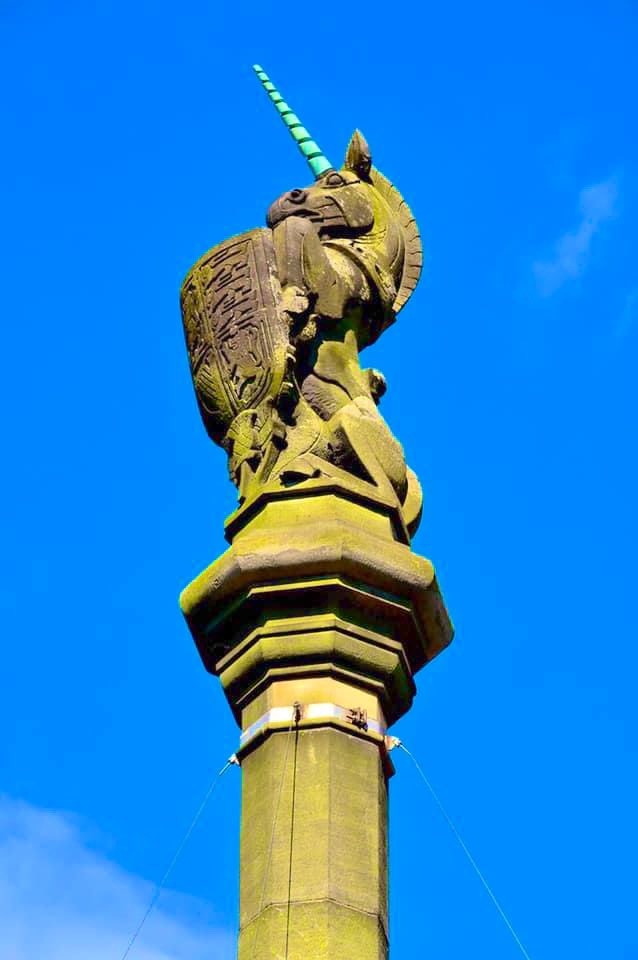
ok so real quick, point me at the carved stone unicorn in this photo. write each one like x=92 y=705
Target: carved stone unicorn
x=275 y=320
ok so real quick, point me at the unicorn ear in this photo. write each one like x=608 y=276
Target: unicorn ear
x=358 y=157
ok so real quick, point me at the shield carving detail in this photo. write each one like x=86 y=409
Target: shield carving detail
x=236 y=335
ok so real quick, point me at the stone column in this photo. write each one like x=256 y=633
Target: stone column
x=316 y=620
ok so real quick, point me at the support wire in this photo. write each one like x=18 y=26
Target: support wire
x=467 y=853
x=160 y=886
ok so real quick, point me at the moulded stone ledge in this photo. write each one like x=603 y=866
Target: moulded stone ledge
x=258 y=608
x=371 y=660
x=322 y=551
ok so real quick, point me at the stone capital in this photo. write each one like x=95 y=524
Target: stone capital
x=317 y=587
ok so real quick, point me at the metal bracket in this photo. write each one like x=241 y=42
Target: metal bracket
x=311 y=712
x=358 y=717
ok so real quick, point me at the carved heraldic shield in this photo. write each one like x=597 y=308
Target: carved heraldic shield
x=236 y=335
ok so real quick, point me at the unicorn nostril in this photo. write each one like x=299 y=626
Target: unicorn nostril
x=297 y=196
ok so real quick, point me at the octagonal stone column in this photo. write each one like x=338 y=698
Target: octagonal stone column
x=316 y=620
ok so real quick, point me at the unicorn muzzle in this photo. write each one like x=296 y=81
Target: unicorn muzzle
x=320 y=208
x=294 y=203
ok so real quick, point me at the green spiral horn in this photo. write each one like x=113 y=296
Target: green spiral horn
x=316 y=160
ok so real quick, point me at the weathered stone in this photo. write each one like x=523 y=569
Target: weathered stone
x=319 y=883
x=316 y=602
x=318 y=579
x=319 y=614
x=275 y=320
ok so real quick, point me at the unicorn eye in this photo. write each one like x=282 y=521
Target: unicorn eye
x=335 y=180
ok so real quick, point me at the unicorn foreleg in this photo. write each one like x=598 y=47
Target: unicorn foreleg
x=313 y=278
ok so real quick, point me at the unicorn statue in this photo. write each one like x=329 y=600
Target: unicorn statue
x=275 y=319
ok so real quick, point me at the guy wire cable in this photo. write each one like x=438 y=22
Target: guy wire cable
x=450 y=822
x=232 y=761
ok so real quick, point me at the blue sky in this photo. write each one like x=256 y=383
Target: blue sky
x=136 y=137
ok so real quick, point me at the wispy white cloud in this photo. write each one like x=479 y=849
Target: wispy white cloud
x=61 y=900
x=597 y=204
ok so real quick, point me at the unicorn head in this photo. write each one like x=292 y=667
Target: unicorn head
x=356 y=205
